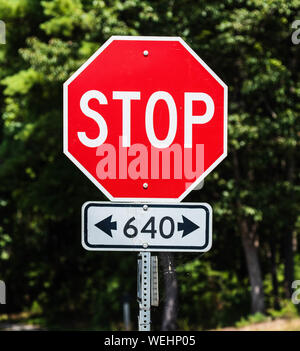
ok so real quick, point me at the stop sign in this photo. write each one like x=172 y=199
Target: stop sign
x=145 y=119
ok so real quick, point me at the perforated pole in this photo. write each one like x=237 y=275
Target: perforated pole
x=144 y=291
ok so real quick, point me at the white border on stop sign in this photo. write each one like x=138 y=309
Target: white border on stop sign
x=65 y=119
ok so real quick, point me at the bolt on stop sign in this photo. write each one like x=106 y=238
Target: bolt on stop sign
x=145 y=119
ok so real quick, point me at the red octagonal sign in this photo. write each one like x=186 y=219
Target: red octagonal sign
x=145 y=119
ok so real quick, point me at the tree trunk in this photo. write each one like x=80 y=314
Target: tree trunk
x=169 y=320
x=251 y=253
x=250 y=248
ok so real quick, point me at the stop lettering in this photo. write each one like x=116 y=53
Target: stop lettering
x=126 y=97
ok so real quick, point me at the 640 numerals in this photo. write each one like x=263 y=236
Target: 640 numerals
x=131 y=231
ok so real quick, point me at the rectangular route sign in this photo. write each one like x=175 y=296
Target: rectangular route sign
x=146 y=227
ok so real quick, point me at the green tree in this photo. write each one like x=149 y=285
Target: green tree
x=254 y=192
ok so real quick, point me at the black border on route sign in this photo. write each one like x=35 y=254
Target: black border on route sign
x=97 y=204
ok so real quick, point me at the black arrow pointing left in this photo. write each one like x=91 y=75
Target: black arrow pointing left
x=106 y=225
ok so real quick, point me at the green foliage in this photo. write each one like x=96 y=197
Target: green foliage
x=21 y=82
x=248 y=44
x=218 y=297
x=252 y=319
x=288 y=311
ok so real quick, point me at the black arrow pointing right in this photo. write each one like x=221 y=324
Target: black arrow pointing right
x=106 y=225
x=187 y=226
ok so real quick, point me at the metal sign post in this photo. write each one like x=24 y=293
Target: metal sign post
x=144 y=291
x=147 y=288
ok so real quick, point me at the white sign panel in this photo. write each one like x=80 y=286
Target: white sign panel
x=146 y=227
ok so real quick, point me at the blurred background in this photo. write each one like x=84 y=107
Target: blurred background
x=51 y=281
